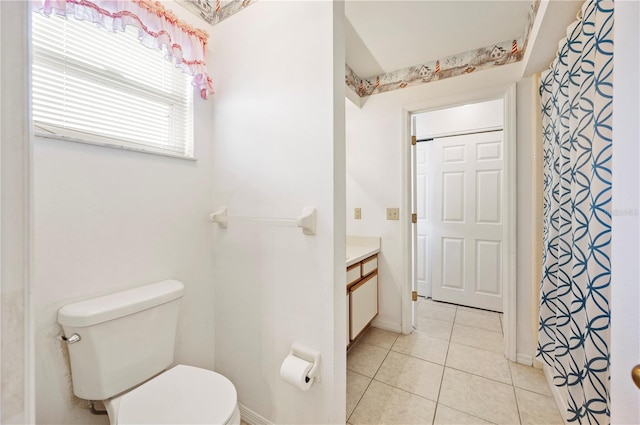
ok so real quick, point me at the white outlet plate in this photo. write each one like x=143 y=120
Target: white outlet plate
x=393 y=213
x=357 y=213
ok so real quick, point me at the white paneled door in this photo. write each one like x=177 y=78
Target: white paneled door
x=463 y=214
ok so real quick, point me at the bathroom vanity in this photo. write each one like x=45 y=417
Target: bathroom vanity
x=362 y=283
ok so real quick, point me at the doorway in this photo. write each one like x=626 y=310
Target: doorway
x=462 y=188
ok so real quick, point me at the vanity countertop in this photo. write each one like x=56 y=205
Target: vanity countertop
x=361 y=247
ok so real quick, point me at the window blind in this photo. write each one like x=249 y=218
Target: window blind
x=104 y=87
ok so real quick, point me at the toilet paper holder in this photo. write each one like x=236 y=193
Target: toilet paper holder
x=310 y=355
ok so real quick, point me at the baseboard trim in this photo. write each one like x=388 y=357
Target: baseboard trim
x=386 y=325
x=524 y=359
x=555 y=392
x=251 y=417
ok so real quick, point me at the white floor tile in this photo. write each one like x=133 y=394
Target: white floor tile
x=384 y=404
x=479 y=338
x=436 y=311
x=410 y=374
x=365 y=359
x=477 y=361
x=484 y=320
x=448 y=416
x=433 y=327
x=537 y=409
x=485 y=398
x=422 y=346
x=529 y=378
x=379 y=337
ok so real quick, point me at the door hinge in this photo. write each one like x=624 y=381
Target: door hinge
x=414 y=140
x=414 y=295
x=414 y=218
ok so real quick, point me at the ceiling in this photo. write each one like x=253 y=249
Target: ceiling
x=389 y=35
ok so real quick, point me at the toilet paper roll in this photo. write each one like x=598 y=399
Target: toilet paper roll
x=294 y=370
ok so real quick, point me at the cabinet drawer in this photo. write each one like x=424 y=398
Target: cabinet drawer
x=364 y=304
x=353 y=273
x=369 y=265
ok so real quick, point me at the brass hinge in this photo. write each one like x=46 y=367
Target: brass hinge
x=414 y=218
x=414 y=140
x=414 y=295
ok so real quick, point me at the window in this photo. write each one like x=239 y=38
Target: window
x=103 y=87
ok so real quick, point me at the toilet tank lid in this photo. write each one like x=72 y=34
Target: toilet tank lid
x=109 y=307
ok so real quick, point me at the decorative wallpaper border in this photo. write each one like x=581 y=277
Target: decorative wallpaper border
x=499 y=54
x=214 y=11
x=450 y=66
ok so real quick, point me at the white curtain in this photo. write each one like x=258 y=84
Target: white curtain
x=576 y=95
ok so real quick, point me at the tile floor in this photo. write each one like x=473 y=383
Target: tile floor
x=451 y=370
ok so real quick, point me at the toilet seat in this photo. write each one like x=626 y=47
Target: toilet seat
x=181 y=395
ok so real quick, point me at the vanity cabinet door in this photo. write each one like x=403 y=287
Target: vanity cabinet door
x=364 y=304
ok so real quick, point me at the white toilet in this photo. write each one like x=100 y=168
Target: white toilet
x=120 y=347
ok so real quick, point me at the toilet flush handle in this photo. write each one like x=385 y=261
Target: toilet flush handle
x=72 y=339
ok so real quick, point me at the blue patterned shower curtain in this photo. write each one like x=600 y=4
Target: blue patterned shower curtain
x=576 y=96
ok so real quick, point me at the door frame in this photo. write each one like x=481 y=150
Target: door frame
x=508 y=94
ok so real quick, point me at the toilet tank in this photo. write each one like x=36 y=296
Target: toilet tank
x=125 y=338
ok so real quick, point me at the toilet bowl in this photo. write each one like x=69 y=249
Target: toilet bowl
x=182 y=394
x=121 y=352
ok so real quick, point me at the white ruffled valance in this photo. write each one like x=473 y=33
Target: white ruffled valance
x=158 y=28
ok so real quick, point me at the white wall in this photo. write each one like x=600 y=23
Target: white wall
x=375 y=180
x=107 y=220
x=625 y=234
x=15 y=336
x=278 y=143
x=474 y=116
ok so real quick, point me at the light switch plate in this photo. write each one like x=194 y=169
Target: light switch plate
x=393 y=213
x=357 y=213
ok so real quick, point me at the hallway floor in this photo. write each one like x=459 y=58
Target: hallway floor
x=451 y=370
